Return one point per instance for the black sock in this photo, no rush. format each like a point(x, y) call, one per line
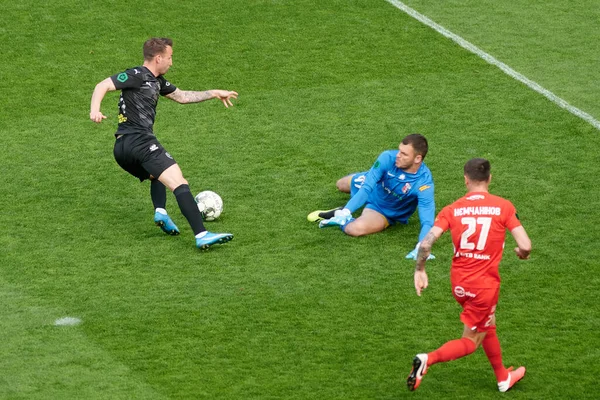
point(329, 214)
point(189, 208)
point(158, 192)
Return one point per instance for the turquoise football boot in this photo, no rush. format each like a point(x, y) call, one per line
point(166, 223)
point(208, 239)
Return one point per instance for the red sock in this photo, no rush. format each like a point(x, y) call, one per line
point(451, 351)
point(491, 346)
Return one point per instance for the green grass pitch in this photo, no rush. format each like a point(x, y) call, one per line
point(288, 311)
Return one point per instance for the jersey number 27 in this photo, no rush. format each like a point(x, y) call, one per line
point(471, 224)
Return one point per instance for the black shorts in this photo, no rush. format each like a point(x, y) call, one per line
point(142, 155)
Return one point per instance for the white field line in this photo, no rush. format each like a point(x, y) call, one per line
point(67, 321)
point(490, 59)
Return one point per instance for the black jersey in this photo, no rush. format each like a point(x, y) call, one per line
point(139, 96)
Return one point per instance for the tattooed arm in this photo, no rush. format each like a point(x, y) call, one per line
point(421, 280)
point(190, 96)
point(425, 247)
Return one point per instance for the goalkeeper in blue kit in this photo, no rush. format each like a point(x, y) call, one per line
point(396, 186)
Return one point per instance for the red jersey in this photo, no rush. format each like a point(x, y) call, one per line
point(478, 223)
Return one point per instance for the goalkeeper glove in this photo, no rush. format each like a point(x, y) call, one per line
point(412, 255)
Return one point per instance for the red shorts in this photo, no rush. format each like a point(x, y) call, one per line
point(479, 306)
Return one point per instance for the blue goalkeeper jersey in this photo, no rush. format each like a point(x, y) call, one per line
point(395, 193)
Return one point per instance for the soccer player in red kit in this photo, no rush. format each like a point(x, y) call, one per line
point(477, 222)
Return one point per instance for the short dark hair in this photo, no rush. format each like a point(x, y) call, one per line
point(478, 169)
point(154, 46)
point(418, 142)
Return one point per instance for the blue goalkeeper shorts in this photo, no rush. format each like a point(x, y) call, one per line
point(392, 216)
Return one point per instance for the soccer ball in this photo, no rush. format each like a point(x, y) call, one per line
point(210, 205)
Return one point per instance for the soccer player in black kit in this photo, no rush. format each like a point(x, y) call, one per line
point(138, 151)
